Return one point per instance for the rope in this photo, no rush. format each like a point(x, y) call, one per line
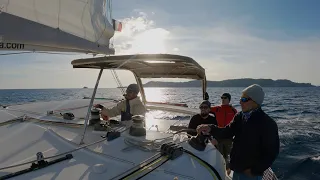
point(17, 119)
point(31, 119)
point(55, 123)
point(154, 145)
point(56, 112)
point(146, 146)
point(36, 113)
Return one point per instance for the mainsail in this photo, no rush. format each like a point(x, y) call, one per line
point(56, 25)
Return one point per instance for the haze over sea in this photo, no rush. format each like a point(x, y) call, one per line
point(296, 111)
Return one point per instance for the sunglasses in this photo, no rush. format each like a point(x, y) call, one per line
point(204, 107)
point(223, 97)
point(244, 99)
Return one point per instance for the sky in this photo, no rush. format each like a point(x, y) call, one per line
point(230, 39)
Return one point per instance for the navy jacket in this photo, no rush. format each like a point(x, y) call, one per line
point(255, 141)
point(196, 120)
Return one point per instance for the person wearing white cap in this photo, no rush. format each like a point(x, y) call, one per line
point(132, 105)
point(255, 136)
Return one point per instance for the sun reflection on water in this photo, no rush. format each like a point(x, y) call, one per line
point(156, 94)
point(163, 118)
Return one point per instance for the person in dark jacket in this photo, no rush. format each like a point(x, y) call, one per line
point(255, 136)
point(203, 118)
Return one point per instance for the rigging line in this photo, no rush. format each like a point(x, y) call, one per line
point(40, 52)
point(5, 54)
point(24, 111)
point(115, 78)
point(35, 12)
point(43, 52)
point(112, 72)
point(116, 75)
point(59, 14)
point(74, 108)
point(121, 87)
point(117, 81)
point(42, 114)
point(110, 2)
point(50, 157)
point(125, 62)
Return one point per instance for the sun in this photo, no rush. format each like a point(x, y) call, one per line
point(150, 41)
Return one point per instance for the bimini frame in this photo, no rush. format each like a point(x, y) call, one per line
point(144, 66)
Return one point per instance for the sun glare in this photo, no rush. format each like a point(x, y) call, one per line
point(150, 41)
point(154, 94)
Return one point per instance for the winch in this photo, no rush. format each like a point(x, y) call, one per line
point(67, 116)
point(95, 117)
point(199, 142)
point(137, 128)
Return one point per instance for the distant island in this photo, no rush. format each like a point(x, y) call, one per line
point(231, 83)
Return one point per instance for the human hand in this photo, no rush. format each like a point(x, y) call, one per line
point(228, 171)
point(203, 128)
point(104, 117)
point(98, 106)
point(214, 141)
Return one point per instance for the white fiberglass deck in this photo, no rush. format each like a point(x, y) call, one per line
point(20, 141)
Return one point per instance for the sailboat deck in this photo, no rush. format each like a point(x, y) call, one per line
point(102, 160)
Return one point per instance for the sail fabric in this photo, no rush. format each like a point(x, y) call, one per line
point(72, 25)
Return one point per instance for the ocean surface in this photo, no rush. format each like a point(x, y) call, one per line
point(296, 111)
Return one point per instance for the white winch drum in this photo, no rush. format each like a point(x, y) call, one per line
point(138, 121)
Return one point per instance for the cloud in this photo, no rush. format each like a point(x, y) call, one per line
point(140, 35)
point(175, 49)
point(226, 50)
point(234, 54)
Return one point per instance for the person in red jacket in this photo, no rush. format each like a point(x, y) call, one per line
point(224, 115)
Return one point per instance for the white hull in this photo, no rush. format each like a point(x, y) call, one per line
point(20, 141)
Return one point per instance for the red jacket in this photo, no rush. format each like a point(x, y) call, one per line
point(224, 114)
